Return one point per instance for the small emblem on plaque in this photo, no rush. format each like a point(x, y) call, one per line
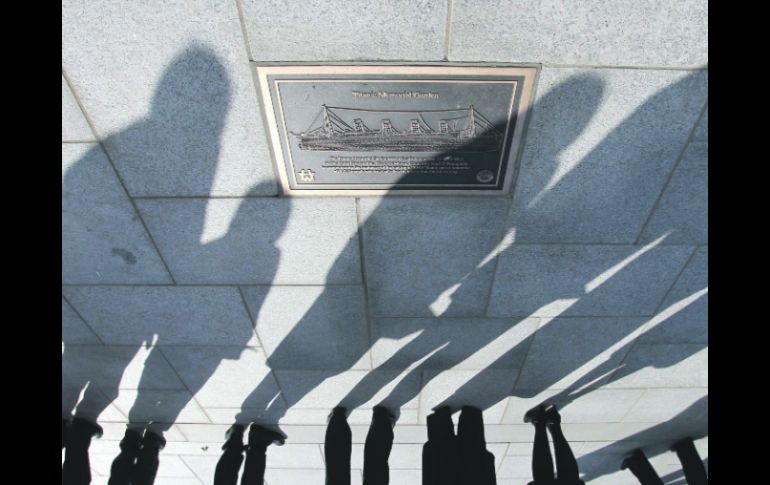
point(307, 175)
point(485, 176)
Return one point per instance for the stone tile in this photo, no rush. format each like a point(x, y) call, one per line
point(74, 126)
point(203, 466)
point(663, 365)
point(258, 241)
point(352, 389)
point(600, 145)
point(601, 431)
point(103, 240)
point(597, 406)
point(516, 467)
point(683, 208)
point(333, 30)
point(264, 415)
point(311, 327)
point(224, 377)
point(405, 477)
point(213, 434)
point(169, 89)
point(73, 329)
point(566, 349)
point(177, 315)
point(702, 130)
point(604, 33)
point(358, 416)
point(114, 431)
point(294, 476)
point(114, 367)
point(161, 406)
point(295, 456)
point(487, 389)
point(94, 405)
point(577, 280)
point(457, 343)
point(684, 314)
point(429, 257)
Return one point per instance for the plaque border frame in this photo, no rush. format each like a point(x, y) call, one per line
point(529, 72)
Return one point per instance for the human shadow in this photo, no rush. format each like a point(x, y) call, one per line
point(436, 347)
point(179, 139)
point(602, 284)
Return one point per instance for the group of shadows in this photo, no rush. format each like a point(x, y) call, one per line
point(447, 458)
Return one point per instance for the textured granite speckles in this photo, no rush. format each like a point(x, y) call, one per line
point(103, 240)
point(345, 30)
point(311, 327)
point(576, 280)
point(682, 210)
point(429, 257)
point(601, 144)
point(169, 89)
point(133, 315)
point(260, 241)
point(74, 126)
point(656, 33)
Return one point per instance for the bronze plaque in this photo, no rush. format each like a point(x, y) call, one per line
point(373, 129)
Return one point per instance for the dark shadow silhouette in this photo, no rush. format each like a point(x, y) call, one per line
point(457, 460)
point(229, 464)
point(543, 418)
point(183, 129)
point(434, 348)
point(338, 447)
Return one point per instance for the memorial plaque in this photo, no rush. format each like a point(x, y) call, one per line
point(370, 130)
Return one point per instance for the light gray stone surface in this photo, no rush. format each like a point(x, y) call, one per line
point(656, 33)
point(74, 126)
point(131, 315)
point(664, 365)
point(162, 406)
point(684, 312)
point(599, 147)
point(443, 343)
point(209, 372)
point(258, 241)
point(578, 280)
point(353, 389)
point(73, 329)
point(682, 210)
point(113, 367)
point(343, 30)
point(661, 405)
point(428, 257)
point(486, 390)
point(103, 240)
point(565, 349)
point(311, 327)
point(168, 88)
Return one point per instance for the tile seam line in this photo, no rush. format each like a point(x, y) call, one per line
point(192, 395)
point(244, 31)
point(253, 323)
point(670, 176)
point(632, 406)
point(503, 231)
point(448, 30)
point(88, 326)
point(362, 263)
point(643, 329)
point(100, 141)
point(181, 457)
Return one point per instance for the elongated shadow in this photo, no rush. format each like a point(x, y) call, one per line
point(180, 139)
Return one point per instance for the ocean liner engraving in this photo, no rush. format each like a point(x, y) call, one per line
point(457, 130)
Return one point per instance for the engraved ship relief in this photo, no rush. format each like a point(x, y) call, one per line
point(469, 132)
